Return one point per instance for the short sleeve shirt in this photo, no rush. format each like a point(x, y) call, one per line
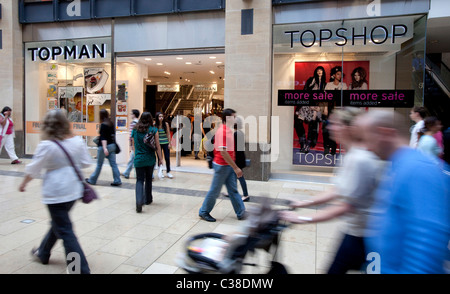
point(224, 138)
point(356, 182)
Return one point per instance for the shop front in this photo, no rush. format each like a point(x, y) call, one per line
point(74, 75)
point(112, 67)
point(321, 66)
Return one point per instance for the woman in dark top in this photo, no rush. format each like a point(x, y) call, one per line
point(239, 144)
point(106, 148)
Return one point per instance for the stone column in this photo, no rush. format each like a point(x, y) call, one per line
point(11, 69)
point(248, 67)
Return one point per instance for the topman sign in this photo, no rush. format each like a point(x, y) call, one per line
point(68, 52)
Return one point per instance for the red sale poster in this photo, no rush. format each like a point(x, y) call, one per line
point(312, 142)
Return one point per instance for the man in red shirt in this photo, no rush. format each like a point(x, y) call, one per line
point(225, 169)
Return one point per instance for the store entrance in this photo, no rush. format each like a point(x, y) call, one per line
point(182, 84)
point(176, 84)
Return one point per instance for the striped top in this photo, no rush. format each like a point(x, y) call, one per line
point(163, 137)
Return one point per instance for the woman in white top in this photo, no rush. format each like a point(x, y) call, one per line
point(7, 134)
point(427, 143)
point(335, 82)
point(352, 195)
point(61, 186)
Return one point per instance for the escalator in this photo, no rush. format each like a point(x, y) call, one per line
point(437, 90)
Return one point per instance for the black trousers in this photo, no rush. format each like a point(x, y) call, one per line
point(166, 151)
point(351, 255)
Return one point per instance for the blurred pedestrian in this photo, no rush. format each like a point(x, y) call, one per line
point(446, 143)
point(106, 148)
point(7, 134)
point(352, 194)
point(411, 225)
point(417, 114)
point(134, 119)
point(427, 142)
point(61, 186)
point(144, 159)
point(225, 169)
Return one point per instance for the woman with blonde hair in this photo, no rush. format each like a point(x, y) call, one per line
point(352, 194)
point(61, 186)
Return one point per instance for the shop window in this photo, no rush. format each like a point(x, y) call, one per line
point(74, 75)
point(319, 67)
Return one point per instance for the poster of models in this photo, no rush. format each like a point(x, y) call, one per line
point(313, 144)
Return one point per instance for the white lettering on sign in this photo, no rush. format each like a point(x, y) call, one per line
point(68, 52)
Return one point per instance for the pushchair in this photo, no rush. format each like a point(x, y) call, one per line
point(213, 253)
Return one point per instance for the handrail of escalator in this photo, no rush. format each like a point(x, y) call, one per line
point(441, 74)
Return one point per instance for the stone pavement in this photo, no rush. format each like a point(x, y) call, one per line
point(117, 240)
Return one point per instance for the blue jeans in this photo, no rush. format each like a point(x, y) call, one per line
point(112, 162)
point(130, 165)
point(144, 192)
point(223, 174)
point(61, 228)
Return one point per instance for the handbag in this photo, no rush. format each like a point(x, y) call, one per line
point(96, 140)
point(117, 147)
point(150, 140)
point(88, 192)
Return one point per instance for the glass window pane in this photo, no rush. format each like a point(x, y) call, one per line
point(73, 75)
point(319, 67)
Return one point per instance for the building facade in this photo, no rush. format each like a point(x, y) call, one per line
point(85, 55)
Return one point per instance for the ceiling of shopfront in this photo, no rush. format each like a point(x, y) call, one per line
point(183, 69)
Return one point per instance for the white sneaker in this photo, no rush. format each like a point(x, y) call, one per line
point(169, 175)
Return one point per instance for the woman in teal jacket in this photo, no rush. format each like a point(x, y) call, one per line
point(144, 159)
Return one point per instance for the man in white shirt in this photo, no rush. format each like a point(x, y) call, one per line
point(417, 115)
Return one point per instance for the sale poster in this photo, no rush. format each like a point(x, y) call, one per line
point(312, 144)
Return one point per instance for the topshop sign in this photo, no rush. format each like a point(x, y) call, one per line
point(373, 32)
point(378, 35)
